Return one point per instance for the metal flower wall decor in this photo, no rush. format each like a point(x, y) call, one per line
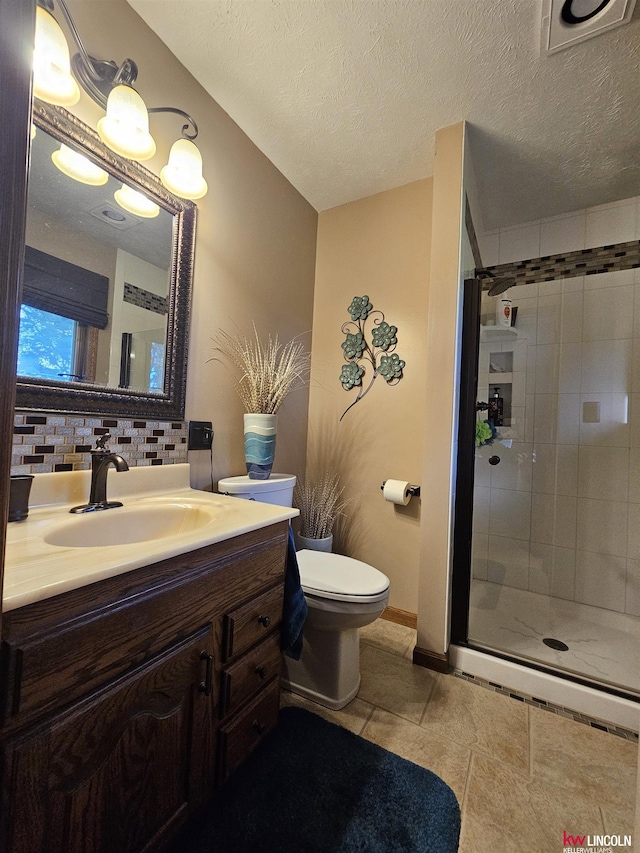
point(379, 352)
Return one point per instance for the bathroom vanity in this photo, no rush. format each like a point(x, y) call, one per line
point(125, 702)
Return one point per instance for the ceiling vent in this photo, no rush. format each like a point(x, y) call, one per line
point(114, 216)
point(566, 22)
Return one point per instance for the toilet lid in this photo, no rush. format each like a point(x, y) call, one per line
point(336, 575)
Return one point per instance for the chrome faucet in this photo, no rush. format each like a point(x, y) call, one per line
point(101, 459)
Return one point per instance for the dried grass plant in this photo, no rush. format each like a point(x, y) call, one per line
point(319, 497)
point(268, 371)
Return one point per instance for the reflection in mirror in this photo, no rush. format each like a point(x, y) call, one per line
point(93, 273)
point(107, 279)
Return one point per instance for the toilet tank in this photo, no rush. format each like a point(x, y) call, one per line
point(278, 489)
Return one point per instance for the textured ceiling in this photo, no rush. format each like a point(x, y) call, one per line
point(345, 96)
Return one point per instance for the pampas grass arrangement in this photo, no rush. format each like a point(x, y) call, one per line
point(319, 499)
point(268, 371)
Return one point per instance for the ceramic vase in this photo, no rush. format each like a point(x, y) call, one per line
point(304, 542)
point(259, 444)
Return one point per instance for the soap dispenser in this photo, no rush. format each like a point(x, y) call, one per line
point(496, 408)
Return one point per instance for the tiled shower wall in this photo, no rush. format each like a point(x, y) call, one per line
point(45, 442)
point(560, 514)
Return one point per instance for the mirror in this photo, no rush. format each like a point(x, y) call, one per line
point(106, 286)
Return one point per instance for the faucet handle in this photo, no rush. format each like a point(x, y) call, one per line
point(102, 442)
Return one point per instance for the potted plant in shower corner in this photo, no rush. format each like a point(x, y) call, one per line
point(319, 497)
point(268, 373)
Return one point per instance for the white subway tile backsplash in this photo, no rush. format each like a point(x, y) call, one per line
point(562, 235)
point(547, 369)
point(612, 427)
point(555, 469)
point(552, 570)
point(601, 580)
point(508, 561)
point(515, 468)
point(553, 520)
point(489, 245)
point(570, 368)
point(606, 366)
point(549, 318)
point(510, 514)
point(518, 243)
point(611, 225)
point(606, 314)
point(602, 526)
point(571, 309)
point(603, 473)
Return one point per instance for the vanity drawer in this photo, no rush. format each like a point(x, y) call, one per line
point(244, 732)
point(249, 674)
point(245, 625)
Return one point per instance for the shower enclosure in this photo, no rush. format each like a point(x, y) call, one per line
point(554, 536)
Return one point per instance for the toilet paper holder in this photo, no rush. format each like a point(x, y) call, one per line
point(414, 491)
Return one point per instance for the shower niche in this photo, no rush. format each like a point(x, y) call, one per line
point(499, 385)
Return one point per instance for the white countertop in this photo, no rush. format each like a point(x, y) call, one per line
point(35, 570)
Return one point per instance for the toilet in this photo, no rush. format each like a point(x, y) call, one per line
point(342, 595)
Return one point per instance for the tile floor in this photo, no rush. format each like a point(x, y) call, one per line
point(522, 775)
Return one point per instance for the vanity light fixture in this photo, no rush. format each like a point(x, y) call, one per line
point(125, 127)
point(77, 166)
point(136, 202)
point(183, 172)
point(52, 80)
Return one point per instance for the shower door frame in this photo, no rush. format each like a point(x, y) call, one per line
point(463, 509)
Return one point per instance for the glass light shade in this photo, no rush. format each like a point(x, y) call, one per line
point(125, 127)
point(52, 80)
point(183, 173)
point(136, 202)
point(79, 167)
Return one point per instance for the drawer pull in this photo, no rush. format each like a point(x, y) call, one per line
point(206, 685)
point(261, 671)
point(264, 620)
point(258, 727)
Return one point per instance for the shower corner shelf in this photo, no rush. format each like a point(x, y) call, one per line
point(497, 333)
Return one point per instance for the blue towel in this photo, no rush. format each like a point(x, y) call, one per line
point(295, 607)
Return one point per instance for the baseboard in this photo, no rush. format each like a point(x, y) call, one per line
point(431, 660)
point(400, 617)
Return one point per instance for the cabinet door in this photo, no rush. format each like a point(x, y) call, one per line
point(116, 770)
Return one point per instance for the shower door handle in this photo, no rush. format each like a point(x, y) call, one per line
point(494, 460)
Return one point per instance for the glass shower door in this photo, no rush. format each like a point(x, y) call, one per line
point(556, 507)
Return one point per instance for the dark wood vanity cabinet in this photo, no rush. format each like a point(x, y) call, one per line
point(125, 703)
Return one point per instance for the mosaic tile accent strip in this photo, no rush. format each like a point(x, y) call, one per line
point(471, 231)
point(45, 442)
point(595, 723)
point(618, 256)
point(145, 299)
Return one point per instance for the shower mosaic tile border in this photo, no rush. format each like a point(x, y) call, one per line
point(601, 259)
point(44, 442)
point(135, 295)
point(595, 723)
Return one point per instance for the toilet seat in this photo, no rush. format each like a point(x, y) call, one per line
point(340, 578)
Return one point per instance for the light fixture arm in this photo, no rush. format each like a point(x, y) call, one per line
point(99, 76)
point(185, 127)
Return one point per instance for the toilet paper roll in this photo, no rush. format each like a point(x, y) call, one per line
point(397, 492)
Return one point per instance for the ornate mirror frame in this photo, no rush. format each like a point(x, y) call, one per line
point(84, 397)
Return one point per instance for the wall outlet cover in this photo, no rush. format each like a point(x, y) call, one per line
point(200, 435)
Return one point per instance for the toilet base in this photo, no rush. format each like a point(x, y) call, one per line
point(328, 671)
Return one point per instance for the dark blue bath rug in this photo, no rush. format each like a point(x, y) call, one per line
point(314, 787)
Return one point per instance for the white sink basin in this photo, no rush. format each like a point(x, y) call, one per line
point(126, 525)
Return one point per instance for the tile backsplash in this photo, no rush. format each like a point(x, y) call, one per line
point(44, 442)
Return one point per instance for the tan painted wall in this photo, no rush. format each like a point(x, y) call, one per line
point(440, 393)
point(377, 246)
point(255, 248)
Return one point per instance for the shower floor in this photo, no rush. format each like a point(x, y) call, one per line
point(603, 645)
